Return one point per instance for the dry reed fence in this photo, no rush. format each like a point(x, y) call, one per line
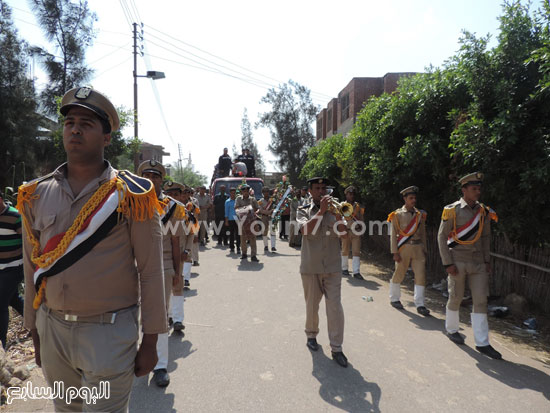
point(508, 277)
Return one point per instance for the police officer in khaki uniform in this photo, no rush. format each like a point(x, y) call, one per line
point(408, 246)
point(191, 229)
point(267, 206)
point(356, 228)
point(464, 244)
point(205, 204)
point(321, 226)
point(172, 231)
point(89, 230)
point(244, 200)
point(175, 190)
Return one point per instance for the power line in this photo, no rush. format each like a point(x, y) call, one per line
point(110, 53)
point(113, 67)
point(228, 61)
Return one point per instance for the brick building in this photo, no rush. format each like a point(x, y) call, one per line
point(148, 151)
point(341, 113)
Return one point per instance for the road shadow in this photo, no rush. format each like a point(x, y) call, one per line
point(344, 388)
point(144, 390)
point(190, 293)
point(368, 284)
point(427, 323)
point(246, 265)
point(194, 274)
point(515, 375)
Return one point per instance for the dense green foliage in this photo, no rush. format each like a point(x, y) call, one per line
point(19, 122)
point(484, 110)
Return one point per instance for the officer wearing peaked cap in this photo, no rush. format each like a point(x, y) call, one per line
point(82, 293)
point(320, 267)
point(355, 231)
point(408, 246)
point(173, 213)
point(464, 244)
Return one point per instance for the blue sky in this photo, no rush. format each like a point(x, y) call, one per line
point(320, 44)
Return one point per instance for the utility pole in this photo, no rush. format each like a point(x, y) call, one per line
point(179, 160)
point(136, 160)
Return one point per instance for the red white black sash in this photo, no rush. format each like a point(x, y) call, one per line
point(466, 231)
point(411, 229)
point(169, 209)
point(95, 228)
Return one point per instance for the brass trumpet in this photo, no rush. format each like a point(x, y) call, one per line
point(343, 208)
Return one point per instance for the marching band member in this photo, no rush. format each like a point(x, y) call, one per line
point(408, 246)
point(464, 244)
point(245, 200)
point(320, 267)
point(173, 213)
point(266, 209)
point(353, 239)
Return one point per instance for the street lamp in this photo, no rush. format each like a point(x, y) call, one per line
point(151, 74)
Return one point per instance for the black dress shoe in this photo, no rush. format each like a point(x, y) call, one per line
point(345, 272)
point(266, 248)
point(358, 276)
point(243, 257)
point(161, 377)
point(254, 258)
point(178, 326)
point(170, 321)
point(489, 351)
point(195, 263)
point(423, 311)
point(273, 249)
point(312, 344)
point(456, 338)
point(339, 358)
point(396, 304)
point(231, 250)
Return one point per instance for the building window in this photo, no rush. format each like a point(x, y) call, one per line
point(329, 120)
point(344, 104)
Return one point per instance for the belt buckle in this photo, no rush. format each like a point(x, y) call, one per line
point(71, 317)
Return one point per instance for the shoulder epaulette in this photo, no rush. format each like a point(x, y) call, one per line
point(490, 211)
point(449, 211)
point(25, 192)
point(138, 198)
point(424, 214)
point(392, 214)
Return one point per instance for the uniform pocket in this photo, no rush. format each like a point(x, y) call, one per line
point(43, 222)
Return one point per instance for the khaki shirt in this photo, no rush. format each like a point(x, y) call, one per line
point(204, 202)
point(404, 218)
point(106, 279)
point(172, 228)
point(241, 202)
point(320, 252)
point(266, 213)
point(477, 252)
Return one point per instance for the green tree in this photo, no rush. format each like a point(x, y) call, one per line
point(290, 123)
point(247, 141)
point(19, 122)
point(68, 25)
point(187, 176)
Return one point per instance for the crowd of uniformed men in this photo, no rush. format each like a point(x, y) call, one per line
point(99, 242)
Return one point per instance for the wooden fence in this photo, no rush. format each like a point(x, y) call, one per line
point(516, 268)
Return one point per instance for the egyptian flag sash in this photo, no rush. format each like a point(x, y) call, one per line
point(411, 229)
point(95, 228)
point(466, 231)
point(169, 211)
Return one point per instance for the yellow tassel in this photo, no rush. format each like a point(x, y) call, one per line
point(390, 216)
point(493, 216)
point(39, 297)
point(179, 213)
point(139, 207)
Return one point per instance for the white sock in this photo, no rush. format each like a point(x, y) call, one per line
point(395, 292)
point(480, 326)
point(344, 263)
point(187, 270)
point(265, 240)
point(419, 295)
point(451, 321)
point(177, 308)
point(273, 238)
point(356, 265)
point(162, 351)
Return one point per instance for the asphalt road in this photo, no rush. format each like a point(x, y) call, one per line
point(244, 351)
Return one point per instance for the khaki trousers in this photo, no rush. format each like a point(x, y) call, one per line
point(252, 239)
point(329, 285)
point(168, 286)
point(411, 256)
point(353, 241)
point(84, 354)
point(478, 281)
point(195, 249)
